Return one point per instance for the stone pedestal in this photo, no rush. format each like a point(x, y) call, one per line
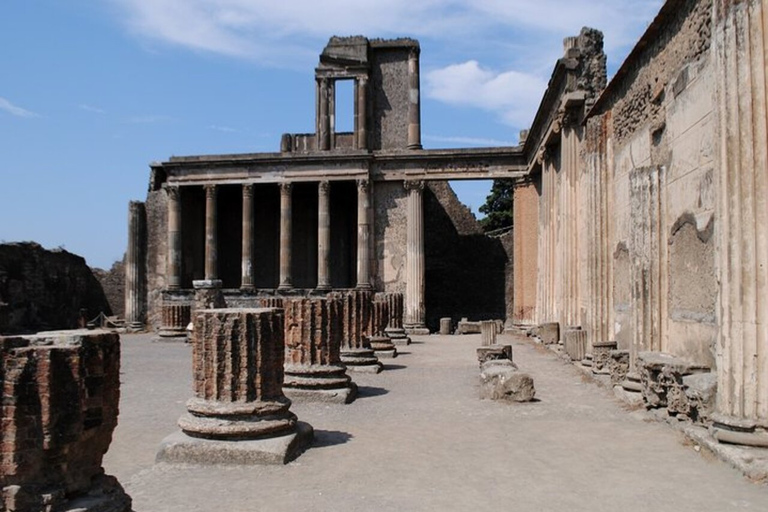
point(208, 294)
point(618, 366)
point(395, 329)
point(494, 353)
point(313, 368)
point(60, 395)
point(175, 319)
point(488, 333)
point(548, 333)
point(575, 343)
point(446, 326)
point(356, 352)
point(239, 413)
point(601, 357)
point(383, 347)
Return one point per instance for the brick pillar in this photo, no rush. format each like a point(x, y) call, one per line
point(395, 329)
point(313, 368)
point(237, 367)
point(60, 397)
point(380, 316)
point(355, 317)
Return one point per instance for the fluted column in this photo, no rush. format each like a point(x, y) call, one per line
point(324, 117)
point(363, 235)
point(286, 234)
point(741, 44)
point(134, 266)
point(211, 233)
point(246, 280)
point(361, 97)
point(414, 101)
point(323, 237)
point(173, 272)
point(414, 269)
point(570, 157)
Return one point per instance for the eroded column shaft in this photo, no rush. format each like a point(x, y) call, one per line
point(246, 280)
point(286, 235)
point(211, 233)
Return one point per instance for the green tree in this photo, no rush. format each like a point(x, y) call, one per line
point(498, 206)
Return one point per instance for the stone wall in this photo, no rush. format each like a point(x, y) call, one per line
point(113, 283)
point(46, 290)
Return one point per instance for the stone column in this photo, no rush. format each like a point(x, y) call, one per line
point(525, 211)
point(361, 114)
point(246, 280)
point(135, 266)
point(487, 333)
point(173, 272)
point(60, 398)
point(395, 329)
point(414, 268)
point(239, 413)
point(356, 352)
point(414, 101)
point(324, 117)
point(363, 235)
point(313, 368)
point(740, 43)
point(286, 235)
point(211, 233)
point(323, 237)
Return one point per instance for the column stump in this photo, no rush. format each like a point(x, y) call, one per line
point(313, 368)
point(356, 352)
point(394, 329)
point(383, 347)
point(239, 414)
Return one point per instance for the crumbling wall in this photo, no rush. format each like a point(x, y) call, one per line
point(113, 283)
point(466, 271)
point(46, 290)
point(390, 203)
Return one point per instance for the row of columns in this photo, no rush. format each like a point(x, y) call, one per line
point(415, 313)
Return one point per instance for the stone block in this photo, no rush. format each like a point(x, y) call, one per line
point(548, 333)
point(661, 377)
point(488, 331)
point(501, 382)
point(383, 347)
point(618, 366)
point(446, 326)
point(701, 391)
point(467, 327)
point(601, 357)
point(575, 343)
point(61, 392)
point(494, 352)
point(356, 352)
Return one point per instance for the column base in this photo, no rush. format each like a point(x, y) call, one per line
point(398, 336)
point(104, 495)
point(318, 383)
point(182, 448)
point(416, 330)
point(136, 327)
point(171, 334)
point(383, 347)
point(730, 430)
point(361, 360)
point(248, 288)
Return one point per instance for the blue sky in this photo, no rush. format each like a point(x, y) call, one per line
point(91, 91)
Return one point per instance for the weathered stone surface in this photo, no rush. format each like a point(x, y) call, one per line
point(601, 357)
point(59, 408)
point(395, 329)
point(467, 327)
point(548, 333)
point(446, 326)
point(618, 366)
point(113, 283)
point(383, 347)
point(237, 362)
point(494, 352)
point(488, 331)
point(176, 316)
point(701, 394)
point(208, 294)
point(356, 352)
point(313, 368)
point(500, 382)
point(661, 376)
point(575, 343)
point(46, 290)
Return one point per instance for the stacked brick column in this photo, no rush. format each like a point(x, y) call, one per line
point(237, 366)
point(313, 368)
point(380, 314)
point(356, 352)
point(58, 411)
point(395, 329)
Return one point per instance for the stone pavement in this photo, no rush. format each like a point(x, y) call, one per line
point(418, 438)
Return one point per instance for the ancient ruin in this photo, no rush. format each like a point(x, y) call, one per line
point(239, 414)
point(60, 394)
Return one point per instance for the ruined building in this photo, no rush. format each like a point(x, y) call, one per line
point(640, 209)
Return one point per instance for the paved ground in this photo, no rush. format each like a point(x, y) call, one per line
point(419, 439)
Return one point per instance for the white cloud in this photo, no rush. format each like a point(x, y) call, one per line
point(15, 110)
point(514, 95)
point(225, 129)
point(91, 108)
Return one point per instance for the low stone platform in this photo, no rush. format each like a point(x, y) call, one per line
point(319, 383)
point(182, 448)
point(383, 347)
point(361, 360)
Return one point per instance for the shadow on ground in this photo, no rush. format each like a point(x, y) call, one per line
point(389, 367)
point(370, 391)
point(325, 438)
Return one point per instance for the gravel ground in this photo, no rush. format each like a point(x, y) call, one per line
point(418, 438)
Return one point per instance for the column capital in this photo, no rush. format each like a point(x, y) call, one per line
point(363, 185)
point(173, 191)
point(286, 187)
point(324, 186)
point(414, 185)
point(210, 190)
point(247, 189)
